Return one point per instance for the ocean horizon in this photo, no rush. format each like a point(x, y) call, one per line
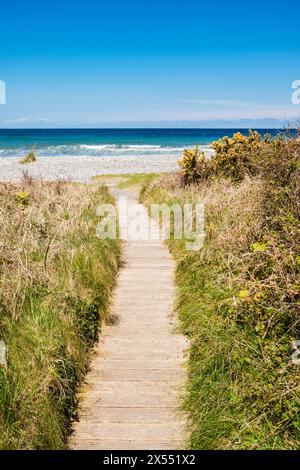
point(111, 142)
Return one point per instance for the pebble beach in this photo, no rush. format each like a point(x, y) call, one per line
point(82, 169)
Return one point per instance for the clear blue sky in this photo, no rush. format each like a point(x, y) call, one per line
point(81, 63)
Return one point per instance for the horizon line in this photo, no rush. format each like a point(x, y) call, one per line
point(145, 128)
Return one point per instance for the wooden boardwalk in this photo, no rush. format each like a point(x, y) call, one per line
point(131, 400)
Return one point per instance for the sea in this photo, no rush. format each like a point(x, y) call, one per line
point(109, 142)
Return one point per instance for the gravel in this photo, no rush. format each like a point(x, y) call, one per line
point(81, 169)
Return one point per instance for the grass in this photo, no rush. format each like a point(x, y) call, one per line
point(140, 179)
point(55, 282)
point(126, 180)
point(238, 301)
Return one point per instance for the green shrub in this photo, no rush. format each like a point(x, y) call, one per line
point(193, 165)
point(23, 199)
point(30, 157)
point(236, 157)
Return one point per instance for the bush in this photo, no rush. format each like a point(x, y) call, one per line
point(193, 165)
point(236, 157)
point(30, 157)
point(23, 199)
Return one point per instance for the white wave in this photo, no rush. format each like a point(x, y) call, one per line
point(92, 147)
point(117, 146)
point(136, 147)
point(105, 150)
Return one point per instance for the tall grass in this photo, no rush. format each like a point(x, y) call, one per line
point(55, 282)
point(238, 298)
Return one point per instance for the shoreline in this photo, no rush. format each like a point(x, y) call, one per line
point(82, 169)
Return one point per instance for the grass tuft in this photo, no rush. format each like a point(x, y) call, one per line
point(30, 158)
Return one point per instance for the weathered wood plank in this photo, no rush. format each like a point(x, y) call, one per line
point(132, 396)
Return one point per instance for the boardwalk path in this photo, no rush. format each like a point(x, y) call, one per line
point(132, 395)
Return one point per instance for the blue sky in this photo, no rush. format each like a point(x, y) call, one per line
point(138, 63)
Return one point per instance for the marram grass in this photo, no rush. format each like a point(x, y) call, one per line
point(55, 281)
point(238, 297)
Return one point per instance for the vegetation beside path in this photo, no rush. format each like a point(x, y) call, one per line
point(55, 282)
point(238, 297)
point(127, 180)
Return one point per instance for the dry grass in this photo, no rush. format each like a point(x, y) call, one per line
point(238, 299)
point(55, 282)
